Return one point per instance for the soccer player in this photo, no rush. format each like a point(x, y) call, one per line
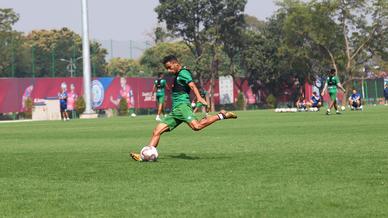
point(315, 101)
point(63, 102)
point(159, 86)
point(181, 109)
point(332, 82)
point(355, 100)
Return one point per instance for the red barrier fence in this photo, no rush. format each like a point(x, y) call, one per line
point(106, 91)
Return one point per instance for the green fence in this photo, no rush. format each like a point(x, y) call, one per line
point(371, 90)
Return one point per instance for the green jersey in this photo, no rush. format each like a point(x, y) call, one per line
point(181, 89)
point(160, 85)
point(332, 82)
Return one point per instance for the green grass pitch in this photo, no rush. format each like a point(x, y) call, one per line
point(264, 164)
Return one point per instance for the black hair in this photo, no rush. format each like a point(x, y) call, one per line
point(169, 58)
point(332, 70)
point(160, 74)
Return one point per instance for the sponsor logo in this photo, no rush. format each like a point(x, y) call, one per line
point(97, 93)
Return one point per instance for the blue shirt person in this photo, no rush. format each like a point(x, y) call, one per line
point(355, 100)
point(315, 101)
point(63, 102)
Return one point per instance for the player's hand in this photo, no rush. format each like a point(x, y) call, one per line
point(323, 93)
point(203, 101)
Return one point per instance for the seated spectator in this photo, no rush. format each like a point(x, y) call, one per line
point(301, 103)
point(315, 101)
point(355, 100)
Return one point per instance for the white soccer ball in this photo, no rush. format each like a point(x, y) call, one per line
point(133, 115)
point(149, 153)
point(343, 108)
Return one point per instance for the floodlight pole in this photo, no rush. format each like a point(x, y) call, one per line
point(86, 59)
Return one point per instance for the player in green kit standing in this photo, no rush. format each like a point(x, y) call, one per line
point(181, 109)
point(159, 87)
point(332, 82)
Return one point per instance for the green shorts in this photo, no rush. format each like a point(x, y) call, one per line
point(181, 113)
point(333, 96)
point(160, 99)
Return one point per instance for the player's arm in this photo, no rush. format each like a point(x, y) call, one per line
point(153, 90)
point(341, 87)
point(324, 89)
point(196, 93)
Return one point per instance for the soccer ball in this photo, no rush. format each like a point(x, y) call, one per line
point(343, 108)
point(133, 115)
point(149, 153)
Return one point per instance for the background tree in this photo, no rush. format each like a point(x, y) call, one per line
point(8, 18)
point(12, 51)
point(203, 24)
point(49, 49)
point(125, 67)
point(347, 32)
point(185, 19)
point(152, 57)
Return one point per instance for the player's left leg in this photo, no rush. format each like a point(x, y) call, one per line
point(157, 132)
point(167, 124)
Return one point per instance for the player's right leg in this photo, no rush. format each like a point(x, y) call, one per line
point(198, 125)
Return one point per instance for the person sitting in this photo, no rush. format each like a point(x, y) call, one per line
point(301, 104)
point(355, 100)
point(315, 101)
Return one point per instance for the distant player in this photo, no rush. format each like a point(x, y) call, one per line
point(355, 100)
point(63, 102)
point(181, 110)
point(315, 101)
point(159, 88)
point(332, 82)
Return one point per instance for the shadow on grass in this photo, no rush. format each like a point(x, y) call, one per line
point(184, 157)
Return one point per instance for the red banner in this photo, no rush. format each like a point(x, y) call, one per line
point(106, 92)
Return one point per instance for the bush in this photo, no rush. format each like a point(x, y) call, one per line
point(80, 105)
point(240, 103)
point(271, 101)
point(28, 108)
point(123, 108)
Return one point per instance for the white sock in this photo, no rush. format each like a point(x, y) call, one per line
point(220, 116)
